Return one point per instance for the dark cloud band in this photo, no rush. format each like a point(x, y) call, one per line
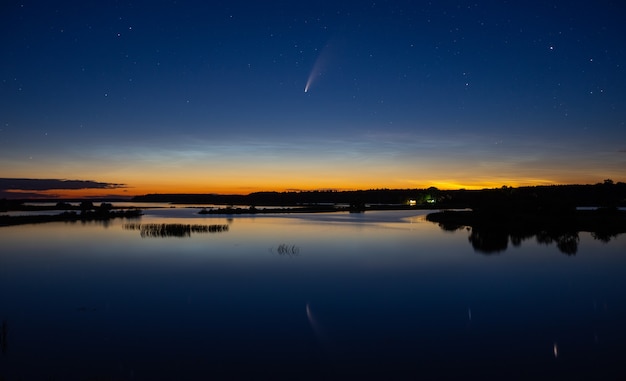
point(10, 184)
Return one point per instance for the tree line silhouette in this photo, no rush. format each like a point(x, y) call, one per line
point(551, 197)
point(550, 214)
point(546, 198)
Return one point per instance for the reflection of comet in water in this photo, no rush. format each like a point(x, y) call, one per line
point(319, 332)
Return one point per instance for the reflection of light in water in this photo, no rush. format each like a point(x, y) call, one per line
point(555, 350)
point(469, 313)
point(312, 321)
point(319, 332)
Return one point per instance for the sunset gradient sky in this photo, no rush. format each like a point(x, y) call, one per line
point(191, 97)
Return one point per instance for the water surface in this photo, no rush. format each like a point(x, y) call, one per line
point(381, 295)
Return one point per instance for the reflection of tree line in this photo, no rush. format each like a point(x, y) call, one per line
point(491, 232)
point(174, 230)
point(490, 240)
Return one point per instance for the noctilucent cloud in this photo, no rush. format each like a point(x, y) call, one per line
point(242, 96)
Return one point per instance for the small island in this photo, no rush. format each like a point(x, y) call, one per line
point(86, 211)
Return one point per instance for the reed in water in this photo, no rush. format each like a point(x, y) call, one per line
point(174, 230)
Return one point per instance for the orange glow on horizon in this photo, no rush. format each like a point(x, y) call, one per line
point(452, 185)
point(197, 188)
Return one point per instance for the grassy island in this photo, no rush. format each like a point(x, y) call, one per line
point(98, 214)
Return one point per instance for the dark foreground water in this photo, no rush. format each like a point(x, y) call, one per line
point(380, 295)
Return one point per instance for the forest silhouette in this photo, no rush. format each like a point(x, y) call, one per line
point(553, 215)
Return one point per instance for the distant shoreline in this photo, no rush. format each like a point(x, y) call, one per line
point(521, 208)
point(85, 210)
point(66, 216)
point(136, 211)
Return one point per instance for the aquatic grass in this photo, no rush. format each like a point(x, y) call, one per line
point(174, 230)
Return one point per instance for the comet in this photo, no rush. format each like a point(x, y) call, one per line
point(317, 69)
point(315, 72)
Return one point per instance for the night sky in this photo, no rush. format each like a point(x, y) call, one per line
point(241, 96)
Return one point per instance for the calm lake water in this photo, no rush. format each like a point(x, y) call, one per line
point(379, 295)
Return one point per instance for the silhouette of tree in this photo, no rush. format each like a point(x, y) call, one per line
point(450, 227)
point(488, 241)
point(544, 238)
point(63, 205)
point(86, 206)
point(603, 236)
point(568, 243)
point(106, 206)
point(518, 237)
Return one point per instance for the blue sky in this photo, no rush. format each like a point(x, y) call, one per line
point(188, 96)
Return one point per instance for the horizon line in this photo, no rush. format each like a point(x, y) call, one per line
point(14, 195)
